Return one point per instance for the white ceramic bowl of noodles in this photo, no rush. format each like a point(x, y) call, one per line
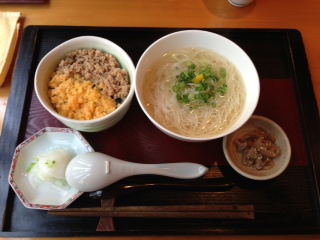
point(208, 41)
point(50, 61)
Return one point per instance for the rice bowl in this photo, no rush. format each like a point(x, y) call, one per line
point(49, 63)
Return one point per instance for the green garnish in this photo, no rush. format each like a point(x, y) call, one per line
point(50, 163)
point(30, 167)
point(199, 87)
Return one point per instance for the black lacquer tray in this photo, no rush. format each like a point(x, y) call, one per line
point(288, 204)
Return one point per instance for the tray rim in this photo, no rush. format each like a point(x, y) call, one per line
point(13, 122)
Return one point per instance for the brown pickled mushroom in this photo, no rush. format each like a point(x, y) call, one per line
point(258, 149)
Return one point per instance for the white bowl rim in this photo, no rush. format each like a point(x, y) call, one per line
point(187, 138)
point(274, 174)
point(97, 120)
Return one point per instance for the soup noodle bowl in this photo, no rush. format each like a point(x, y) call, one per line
point(161, 102)
point(231, 111)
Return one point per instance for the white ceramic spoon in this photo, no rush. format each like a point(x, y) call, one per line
point(93, 171)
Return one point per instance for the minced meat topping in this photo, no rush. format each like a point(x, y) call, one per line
point(100, 68)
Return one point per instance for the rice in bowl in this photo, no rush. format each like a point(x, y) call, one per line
point(88, 84)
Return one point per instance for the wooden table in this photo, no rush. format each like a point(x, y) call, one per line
point(301, 15)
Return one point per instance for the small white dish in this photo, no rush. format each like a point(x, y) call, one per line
point(44, 196)
point(240, 3)
point(280, 163)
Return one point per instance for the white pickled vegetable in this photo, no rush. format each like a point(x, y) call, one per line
point(50, 166)
point(53, 164)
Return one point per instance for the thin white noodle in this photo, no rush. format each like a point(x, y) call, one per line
point(204, 121)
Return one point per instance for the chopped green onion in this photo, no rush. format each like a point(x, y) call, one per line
point(30, 167)
point(50, 163)
point(199, 87)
